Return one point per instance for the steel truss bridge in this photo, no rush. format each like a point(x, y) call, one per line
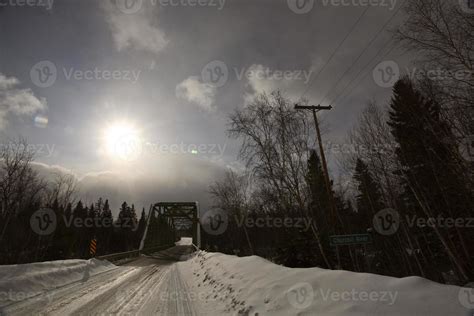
point(168, 221)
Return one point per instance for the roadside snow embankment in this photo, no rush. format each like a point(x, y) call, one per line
point(22, 281)
point(226, 284)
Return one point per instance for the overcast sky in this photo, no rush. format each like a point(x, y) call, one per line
point(172, 71)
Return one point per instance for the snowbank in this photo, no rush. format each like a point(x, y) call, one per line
point(252, 285)
point(184, 241)
point(22, 281)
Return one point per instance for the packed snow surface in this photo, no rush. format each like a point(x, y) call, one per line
point(255, 286)
point(217, 284)
point(22, 281)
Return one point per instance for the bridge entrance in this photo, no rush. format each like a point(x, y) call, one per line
point(168, 221)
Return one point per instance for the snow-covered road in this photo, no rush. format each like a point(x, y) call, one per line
point(147, 286)
point(179, 281)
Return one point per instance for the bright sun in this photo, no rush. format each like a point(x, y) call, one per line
point(122, 141)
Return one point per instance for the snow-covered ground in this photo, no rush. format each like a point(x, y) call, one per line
point(216, 284)
point(226, 284)
point(18, 282)
point(185, 241)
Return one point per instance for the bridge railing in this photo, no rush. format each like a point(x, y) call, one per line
point(114, 257)
point(120, 255)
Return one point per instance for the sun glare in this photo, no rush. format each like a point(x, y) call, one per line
point(122, 141)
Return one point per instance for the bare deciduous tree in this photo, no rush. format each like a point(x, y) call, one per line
point(232, 194)
point(19, 183)
point(442, 36)
point(63, 189)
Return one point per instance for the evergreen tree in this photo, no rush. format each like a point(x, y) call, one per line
point(82, 242)
point(141, 225)
point(369, 200)
point(319, 201)
point(319, 206)
point(106, 232)
point(432, 186)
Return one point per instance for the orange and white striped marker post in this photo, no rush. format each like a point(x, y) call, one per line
point(93, 247)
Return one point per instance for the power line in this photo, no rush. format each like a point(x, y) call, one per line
point(362, 70)
point(360, 81)
point(363, 51)
point(353, 27)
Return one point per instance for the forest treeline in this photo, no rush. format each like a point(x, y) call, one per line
point(41, 221)
point(411, 171)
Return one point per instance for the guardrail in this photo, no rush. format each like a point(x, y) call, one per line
point(132, 254)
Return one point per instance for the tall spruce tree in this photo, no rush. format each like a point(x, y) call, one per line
point(369, 199)
point(319, 206)
point(432, 187)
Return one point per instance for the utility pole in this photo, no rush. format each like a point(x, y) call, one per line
point(315, 109)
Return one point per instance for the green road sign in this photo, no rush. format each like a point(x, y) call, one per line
point(341, 240)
